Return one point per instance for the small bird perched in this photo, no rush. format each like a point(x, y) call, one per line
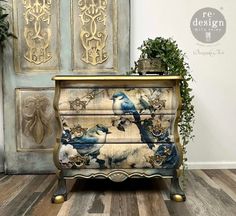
point(145, 105)
point(123, 105)
point(91, 141)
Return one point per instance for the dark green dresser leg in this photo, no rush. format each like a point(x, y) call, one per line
point(176, 193)
point(60, 194)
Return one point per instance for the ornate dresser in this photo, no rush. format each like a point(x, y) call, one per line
point(117, 127)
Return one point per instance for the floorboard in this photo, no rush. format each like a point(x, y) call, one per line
point(208, 192)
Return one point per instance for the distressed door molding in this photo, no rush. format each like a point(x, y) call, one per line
point(100, 36)
point(36, 23)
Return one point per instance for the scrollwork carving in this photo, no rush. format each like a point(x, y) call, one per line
point(93, 32)
point(36, 119)
point(118, 176)
point(37, 33)
point(80, 104)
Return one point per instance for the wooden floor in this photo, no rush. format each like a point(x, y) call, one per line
point(209, 192)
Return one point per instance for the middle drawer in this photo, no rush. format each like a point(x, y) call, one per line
point(86, 129)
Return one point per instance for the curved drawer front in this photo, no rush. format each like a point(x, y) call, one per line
point(109, 141)
point(125, 156)
point(117, 100)
point(90, 129)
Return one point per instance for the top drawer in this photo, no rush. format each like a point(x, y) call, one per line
point(145, 100)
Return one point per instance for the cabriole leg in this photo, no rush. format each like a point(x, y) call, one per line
point(176, 192)
point(60, 194)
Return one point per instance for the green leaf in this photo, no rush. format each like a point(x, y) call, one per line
point(3, 16)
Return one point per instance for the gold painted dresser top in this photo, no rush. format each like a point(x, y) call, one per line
point(114, 78)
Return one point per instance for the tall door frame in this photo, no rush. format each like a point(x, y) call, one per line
point(1, 116)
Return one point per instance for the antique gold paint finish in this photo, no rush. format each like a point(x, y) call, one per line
point(117, 175)
point(59, 199)
point(176, 137)
point(96, 44)
point(115, 78)
point(178, 198)
point(60, 127)
point(37, 32)
point(179, 172)
point(93, 33)
point(36, 24)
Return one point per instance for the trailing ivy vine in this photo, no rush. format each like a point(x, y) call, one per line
point(4, 25)
point(168, 51)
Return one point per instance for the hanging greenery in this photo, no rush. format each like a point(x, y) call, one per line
point(168, 51)
point(4, 25)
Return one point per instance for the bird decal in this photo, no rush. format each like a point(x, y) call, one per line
point(123, 105)
point(137, 119)
point(146, 105)
point(90, 142)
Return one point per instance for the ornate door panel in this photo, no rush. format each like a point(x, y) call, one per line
point(54, 37)
point(100, 36)
point(95, 46)
point(37, 25)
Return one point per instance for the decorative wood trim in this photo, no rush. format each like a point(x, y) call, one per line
point(115, 78)
point(57, 145)
point(118, 175)
point(27, 36)
point(114, 21)
point(211, 165)
point(176, 133)
point(33, 120)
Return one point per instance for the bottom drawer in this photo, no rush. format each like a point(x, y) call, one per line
point(118, 156)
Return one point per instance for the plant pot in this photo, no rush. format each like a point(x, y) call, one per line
point(155, 65)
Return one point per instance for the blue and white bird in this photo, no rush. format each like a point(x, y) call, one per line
point(91, 141)
point(123, 105)
point(146, 105)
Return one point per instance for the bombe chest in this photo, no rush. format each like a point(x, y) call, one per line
point(132, 138)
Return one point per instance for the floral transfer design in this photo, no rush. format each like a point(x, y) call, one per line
point(108, 141)
point(79, 104)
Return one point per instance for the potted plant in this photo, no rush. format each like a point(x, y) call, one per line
point(151, 59)
point(169, 54)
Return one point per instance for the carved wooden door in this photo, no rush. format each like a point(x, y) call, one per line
point(54, 37)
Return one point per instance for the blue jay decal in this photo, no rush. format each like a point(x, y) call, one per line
point(90, 142)
point(123, 105)
point(141, 119)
